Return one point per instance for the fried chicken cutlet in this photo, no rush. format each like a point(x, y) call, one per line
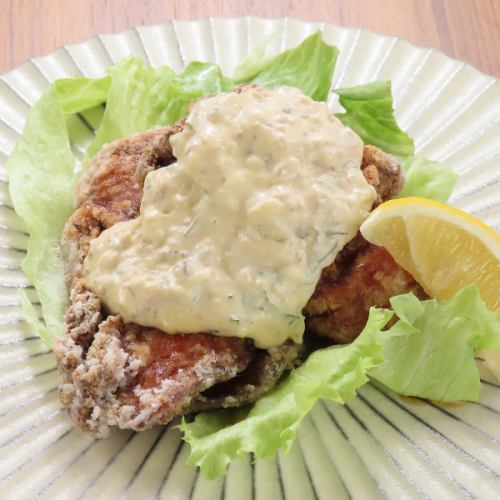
point(130, 376)
point(125, 375)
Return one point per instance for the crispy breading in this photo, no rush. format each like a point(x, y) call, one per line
point(110, 190)
point(383, 172)
point(261, 375)
point(125, 375)
point(339, 306)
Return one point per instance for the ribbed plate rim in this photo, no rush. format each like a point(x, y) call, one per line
point(397, 38)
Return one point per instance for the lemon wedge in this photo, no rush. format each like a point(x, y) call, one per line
point(442, 247)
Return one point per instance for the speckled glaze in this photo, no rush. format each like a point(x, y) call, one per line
point(379, 445)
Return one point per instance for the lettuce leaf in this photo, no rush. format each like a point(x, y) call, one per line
point(258, 58)
point(427, 179)
point(41, 178)
point(78, 94)
point(203, 78)
point(308, 67)
point(369, 112)
point(140, 97)
point(430, 350)
point(273, 421)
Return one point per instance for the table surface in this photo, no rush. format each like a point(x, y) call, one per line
point(464, 29)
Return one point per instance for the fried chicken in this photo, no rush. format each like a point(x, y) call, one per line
point(126, 375)
point(129, 376)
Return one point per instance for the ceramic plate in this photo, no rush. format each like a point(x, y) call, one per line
point(379, 445)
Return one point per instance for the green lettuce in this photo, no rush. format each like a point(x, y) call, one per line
point(258, 58)
point(430, 350)
point(308, 67)
point(369, 112)
point(427, 179)
point(78, 94)
point(41, 180)
point(272, 423)
point(203, 78)
point(140, 97)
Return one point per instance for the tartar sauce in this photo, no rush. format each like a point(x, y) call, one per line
point(231, 239)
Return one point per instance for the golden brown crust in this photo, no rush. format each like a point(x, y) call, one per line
point(383, 172)
point(340, 304)
point(133, 378)
point(110, 190)
point(261, 375)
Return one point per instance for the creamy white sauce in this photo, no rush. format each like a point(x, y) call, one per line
point(232, 238)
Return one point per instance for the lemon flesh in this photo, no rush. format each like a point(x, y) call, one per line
point(442, 247)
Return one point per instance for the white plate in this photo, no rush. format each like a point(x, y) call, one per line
point(379, 444)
